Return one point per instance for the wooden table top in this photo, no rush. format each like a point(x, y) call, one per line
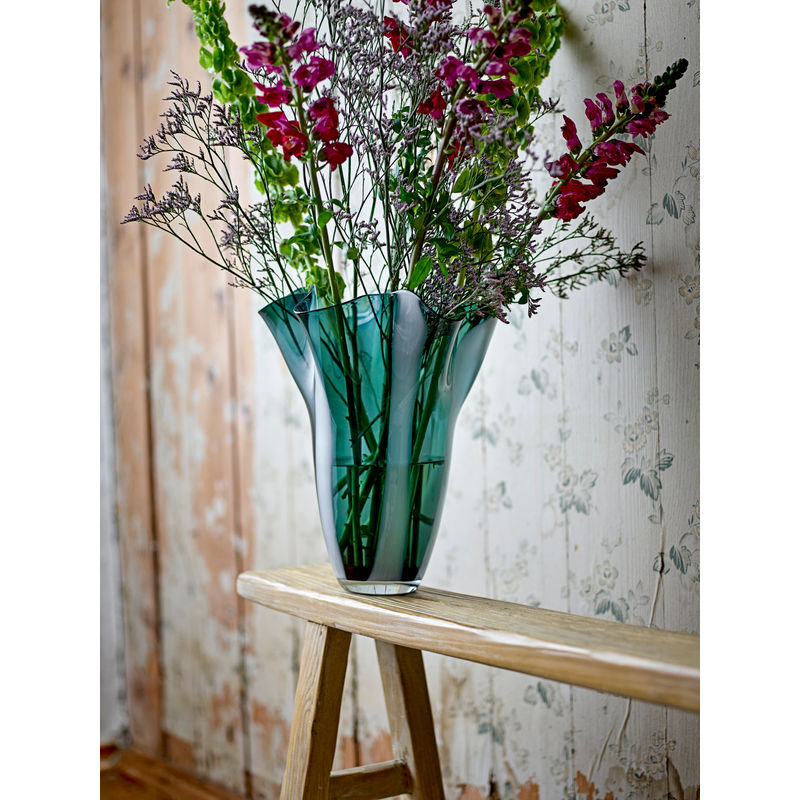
point(632, 661)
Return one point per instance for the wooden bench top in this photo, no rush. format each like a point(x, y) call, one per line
point(632, 661)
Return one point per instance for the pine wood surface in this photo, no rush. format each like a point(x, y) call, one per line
point(136, 776)
point(410, 718)
point(316, 713)
point(385, 779)
point(632, 661)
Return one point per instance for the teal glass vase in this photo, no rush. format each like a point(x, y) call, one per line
point(383, 378)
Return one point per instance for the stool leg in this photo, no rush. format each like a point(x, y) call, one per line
point(315, 722)
point(410, 717)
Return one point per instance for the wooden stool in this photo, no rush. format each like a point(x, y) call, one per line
point(644, 663)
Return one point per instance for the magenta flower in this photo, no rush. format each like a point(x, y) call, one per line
point(499, 68)
point(615, 151)
point(326, 120)
point(450, 70)
point(283, 133)
point(472, 108)
point(434, 106)
point(261, 55)
point(288, 27)
point(571, 195)
point(484, 37)
point(500, 88)
point(453, 69)
point(636, 99)
point(621, 97)
point(318, 69)
point(570, 134)
point(336, 153)
point(306, 43)
point(273, 95)
point(398, 36)
point(600, 174)
point(493, 14)
point(594, 114)
point(294, 143)
point(519, 43)
point(608, 108)
point(272, 120)
point(562, 166)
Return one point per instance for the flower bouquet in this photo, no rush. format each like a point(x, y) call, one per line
point(402, 206)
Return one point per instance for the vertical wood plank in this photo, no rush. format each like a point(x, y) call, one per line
point(122, 132)
point(191, 383)
point(315, 722)
point(410, 718)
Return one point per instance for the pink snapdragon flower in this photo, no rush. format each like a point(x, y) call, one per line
point(434, 105)
point(284, 133)
point(500, 68)
point(620, 96)
point(608, 108)
point(326, 119)
point(594, 114)
point(261, 55)
point(599, 162)
point(519, 43)
point(500, 88)
point(493, 14)
point(306, 43)
point(483, 37)
point(572, 194)
point(450, 71)
point(336, 153)
point(646, 126)
point(273, 95)
point(570, 134)
point(398, 35)
point(562, 166)
point(309, 75)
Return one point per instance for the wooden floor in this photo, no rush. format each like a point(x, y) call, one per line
point(128, 775)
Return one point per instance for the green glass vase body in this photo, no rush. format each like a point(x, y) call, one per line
point(383, 378)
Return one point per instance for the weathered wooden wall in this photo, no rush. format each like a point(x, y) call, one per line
point(214, 472)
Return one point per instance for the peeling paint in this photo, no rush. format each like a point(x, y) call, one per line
point(528, 791)
point(380, 748)
point(471, 793)
point(270, 728)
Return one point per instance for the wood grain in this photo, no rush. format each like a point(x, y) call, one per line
point(122, 132)
point(657, 666)
point(410, 718)
point(192, 391)
point(137, 776)
point(315, 723)
point(386, 779)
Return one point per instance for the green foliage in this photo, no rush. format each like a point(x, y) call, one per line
point(546, 28)
point(290, 206)
point(219, 55)
point(420, 271)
